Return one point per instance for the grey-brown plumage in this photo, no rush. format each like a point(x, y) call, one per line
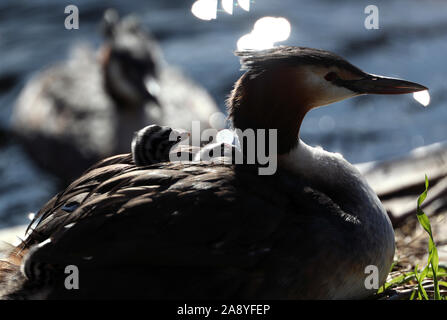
point(187, 231)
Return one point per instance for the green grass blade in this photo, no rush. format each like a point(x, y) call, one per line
point(433, 259)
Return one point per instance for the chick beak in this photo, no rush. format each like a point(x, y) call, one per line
point(180, 135)
point(373, 84)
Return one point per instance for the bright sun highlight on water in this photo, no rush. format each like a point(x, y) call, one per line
point(423, 97)
point(265, 33)
point(245, 4)
point(205, 9)
point(227, 5)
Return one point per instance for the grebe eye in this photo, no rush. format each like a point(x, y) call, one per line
point(331, 76)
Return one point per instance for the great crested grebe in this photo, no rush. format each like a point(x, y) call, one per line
point(204, 230)
point(87, 108)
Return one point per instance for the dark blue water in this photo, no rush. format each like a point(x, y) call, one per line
point(411, 43)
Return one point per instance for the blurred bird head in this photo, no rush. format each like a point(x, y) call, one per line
point(131, 59)
point(282, 84)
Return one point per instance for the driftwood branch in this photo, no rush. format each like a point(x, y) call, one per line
point(399, 182)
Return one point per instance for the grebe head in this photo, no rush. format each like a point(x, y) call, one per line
point(130, 60)
point(282, 84)
point(153, 143)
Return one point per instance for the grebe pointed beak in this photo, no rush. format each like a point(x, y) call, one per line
point(373, 84)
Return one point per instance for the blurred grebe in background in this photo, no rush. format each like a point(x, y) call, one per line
point(208, 231)
point(80, 111)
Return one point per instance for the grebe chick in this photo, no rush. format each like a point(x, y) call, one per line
point(154, 143)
